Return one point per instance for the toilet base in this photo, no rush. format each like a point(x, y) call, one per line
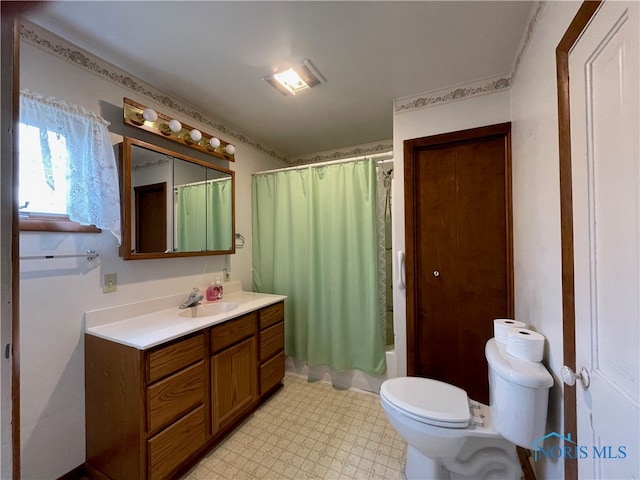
point(421, 467)
point(479, 459)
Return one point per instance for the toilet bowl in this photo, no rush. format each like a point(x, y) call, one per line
point(444, 426)
point(450, 436)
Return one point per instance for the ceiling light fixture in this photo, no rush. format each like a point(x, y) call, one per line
point(295, 79)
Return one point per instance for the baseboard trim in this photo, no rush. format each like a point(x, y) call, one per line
point(78, 473)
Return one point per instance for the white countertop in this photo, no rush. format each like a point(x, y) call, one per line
point(143, 325)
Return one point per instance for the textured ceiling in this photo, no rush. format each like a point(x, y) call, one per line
point(214, 54)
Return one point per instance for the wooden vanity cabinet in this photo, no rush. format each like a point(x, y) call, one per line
point(271, 347)
point(143, 404)
point(234, 378)
point(175, 412)
point(152, 414)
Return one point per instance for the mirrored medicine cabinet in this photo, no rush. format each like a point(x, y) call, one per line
point(174, 205)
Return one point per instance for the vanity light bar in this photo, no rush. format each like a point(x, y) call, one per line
point(145, 118)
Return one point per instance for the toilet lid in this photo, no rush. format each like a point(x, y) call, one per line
point(428, 401)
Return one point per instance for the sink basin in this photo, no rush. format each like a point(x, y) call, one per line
point(208, 310)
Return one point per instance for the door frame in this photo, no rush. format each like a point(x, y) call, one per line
point(10, 242)
point(144, 190)
point(411, 153)
point(577, 26)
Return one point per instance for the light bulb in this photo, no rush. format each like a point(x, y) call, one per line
point(214, 142)
point(175, 126)
point(195, 135)
point(149, 114)
point(230, 149)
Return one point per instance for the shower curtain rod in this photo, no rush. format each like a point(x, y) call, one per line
point(388, 154)
point(202, 182)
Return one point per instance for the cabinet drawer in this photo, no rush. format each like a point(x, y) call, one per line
point(172, 446)
point(271, 314)
point(271, 341)
point(271, 373)
point(171, 397)
point(166, 360)
point(232, 331)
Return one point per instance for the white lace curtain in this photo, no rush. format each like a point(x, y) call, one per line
point(93, 196)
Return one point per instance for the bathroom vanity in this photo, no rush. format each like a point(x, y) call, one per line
point(164, 387)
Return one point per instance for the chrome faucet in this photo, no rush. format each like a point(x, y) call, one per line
point(194, 298)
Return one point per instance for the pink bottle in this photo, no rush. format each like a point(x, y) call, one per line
point(214, 291)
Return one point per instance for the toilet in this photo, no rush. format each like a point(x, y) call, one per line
point(450, 436)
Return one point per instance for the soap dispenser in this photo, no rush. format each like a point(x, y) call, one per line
point(218, 288)
point(212, 293)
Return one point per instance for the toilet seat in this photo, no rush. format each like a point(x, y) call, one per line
point(428, 401)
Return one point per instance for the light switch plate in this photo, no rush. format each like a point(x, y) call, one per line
point(110, 283)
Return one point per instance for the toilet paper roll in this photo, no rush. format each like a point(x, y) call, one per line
point(501, 328)
point(525, 344)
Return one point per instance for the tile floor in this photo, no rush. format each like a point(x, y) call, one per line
point(309, 431)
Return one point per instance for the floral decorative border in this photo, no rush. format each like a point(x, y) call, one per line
point(59, 47)
point(367, 149)
point(472, 89)
point(47, 41)
point(448, 95)
point(161, 161)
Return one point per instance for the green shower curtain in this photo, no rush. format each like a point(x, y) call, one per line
point(191, 218)
point(220, 218)
point(204, 216)
point(314, 240)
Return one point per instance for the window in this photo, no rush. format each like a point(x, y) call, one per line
point(68, 179)
point(43, 182)
point(43, 179)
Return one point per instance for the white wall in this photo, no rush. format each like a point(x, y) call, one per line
point(449, 117)
point(536, 200)
point(56, 293)
point(531, 105)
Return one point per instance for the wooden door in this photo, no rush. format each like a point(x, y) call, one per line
point(601, 241)
point(234, 379)
point(151, 218)
point(459, 249)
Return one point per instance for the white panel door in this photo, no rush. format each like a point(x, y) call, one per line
point(604, 83)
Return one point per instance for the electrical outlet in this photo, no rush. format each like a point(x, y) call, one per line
point(110, 283)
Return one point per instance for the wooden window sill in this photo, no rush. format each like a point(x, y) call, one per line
point(54, 223)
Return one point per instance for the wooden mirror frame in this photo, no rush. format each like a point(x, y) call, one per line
point(126, 197)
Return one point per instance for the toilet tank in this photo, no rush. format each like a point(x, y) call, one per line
point(518, 395)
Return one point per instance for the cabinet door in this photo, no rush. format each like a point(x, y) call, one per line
point(233, 382)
